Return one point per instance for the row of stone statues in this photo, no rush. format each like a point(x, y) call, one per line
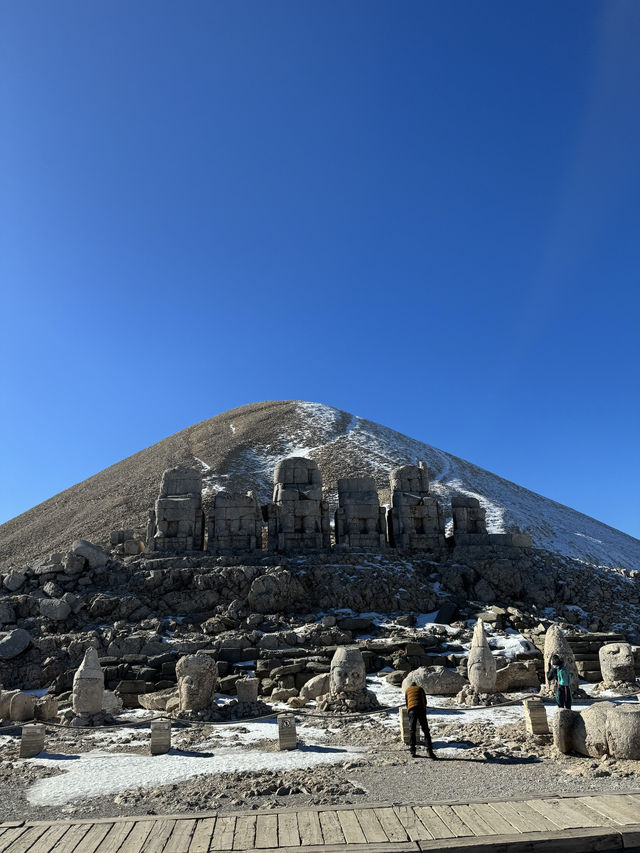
point(298, 517)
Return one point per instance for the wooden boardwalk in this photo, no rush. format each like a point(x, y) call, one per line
point(567, 824)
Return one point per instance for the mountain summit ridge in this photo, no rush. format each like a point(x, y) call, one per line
point(238, 449)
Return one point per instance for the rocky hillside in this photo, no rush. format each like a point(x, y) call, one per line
point(239, 449)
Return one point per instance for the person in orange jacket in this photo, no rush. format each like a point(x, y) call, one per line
point(417, 707)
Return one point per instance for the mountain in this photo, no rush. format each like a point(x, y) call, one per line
point(239, 449)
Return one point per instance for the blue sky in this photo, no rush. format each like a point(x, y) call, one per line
point(424, 213)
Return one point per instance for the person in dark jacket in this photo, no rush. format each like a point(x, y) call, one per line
point(417, 707)
point(559, 675)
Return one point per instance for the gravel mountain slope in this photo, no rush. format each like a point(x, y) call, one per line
point(239, 448)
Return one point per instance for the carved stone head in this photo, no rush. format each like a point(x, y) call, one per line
point(348, 672)
point(197, 680)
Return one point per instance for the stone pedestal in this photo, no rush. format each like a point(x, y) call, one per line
point(247, 689)
point(160, 737)
point(405, 729)
point(535, 716)
point(32, 741)
point(287, 737)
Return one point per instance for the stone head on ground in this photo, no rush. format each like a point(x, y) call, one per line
point(197, 680)
point(616, 663)
point(348, 671)
point(555, 643)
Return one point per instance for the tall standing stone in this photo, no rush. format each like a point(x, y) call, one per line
point(555, 643)
point(88, 685)
point(481, 665)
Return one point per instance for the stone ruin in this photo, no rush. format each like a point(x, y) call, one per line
point(347, 684)
point(298, 517)
point(618, 668)
point(555, 643)
point(195, 695)
point(481, 672)
point(360, 520)
point(177, 522)
point(19, 707)
point(469, 521)
point(415, 521)
point(234, 524)
point(602, 729)
point(87, 694)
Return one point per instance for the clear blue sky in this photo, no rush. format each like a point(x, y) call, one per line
point(427, 214)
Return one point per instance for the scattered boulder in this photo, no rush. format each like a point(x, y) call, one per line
point(55, 609)
point(157, 701)
point(517, 675)
point(94, 555)
point(21, 707)
point(14, 580)
point(436, 680)
point(14, 643)
point(623, 732)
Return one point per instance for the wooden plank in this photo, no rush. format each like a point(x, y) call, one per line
point(116, 837)
point(138, 835)
point(406, 847)
point(391, 825)
point(266, 831)
point(181, 836)
point(72, 838)
point(331, 829)
point(351, 829)
point(620, 802)
point(28, 839)
point(288, 835)
point(499, 825)
point(12, 835)
point(433, 823)
point(309, 827)
point(92, 840)
point(202, 835)
point(223, 833)
point(160, 833)
point(523, 820)
point(457, 826)
point(52, 835)
point(476, 823)
point(370, 825)
point(568, 841)
point(413, 826)
point(245, 832)
point(614, 810)
point(575, 815)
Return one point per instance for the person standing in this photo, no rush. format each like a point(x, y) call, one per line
point(561, 677)
point(417, 708)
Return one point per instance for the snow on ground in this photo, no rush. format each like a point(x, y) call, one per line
point(98, 773)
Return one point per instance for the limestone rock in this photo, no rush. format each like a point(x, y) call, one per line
point(46, 709)
point(588, 736)
point(316, 686)
point(616, 664)
point(88, 685)
point(5, 702)
point(481, 665)
point(435, 680)
point(157, 701)
point(55, 609)
point(623, 732)
point(516, 675)
point(94, 555)
point(14, 643)
point(21, 707)
point(274, 592)
point(7, 613)
point(197, 679)
point(14, 580)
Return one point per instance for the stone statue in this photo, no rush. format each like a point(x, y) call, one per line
point(616, 665)
point(348, 672)
point(360, 520)
point(197, 681)
point(347, 684)
point(481, 665)
point(298, 517)
point(602, 729)
point(555, 643)
point(88, 686)
point(415, 519)
point(178, 524)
